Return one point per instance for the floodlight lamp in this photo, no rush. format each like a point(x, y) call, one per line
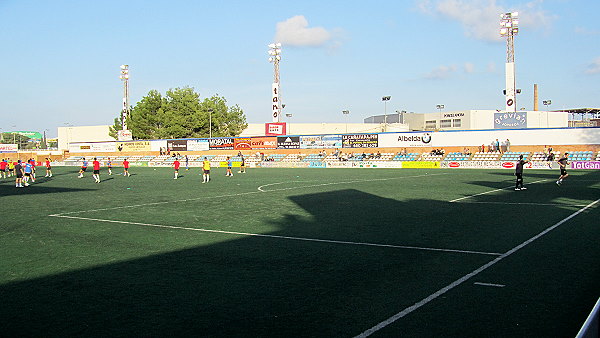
point(515, 14)
point(124, 66)
point(270, 59)
point(271, 52)
point(278, 45)
point(278, 57)
point(515, 22)
point(503, 31)
point(271, 45)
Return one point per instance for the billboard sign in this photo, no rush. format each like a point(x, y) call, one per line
point(275, 129)
point(405, 140)
point(510, 120)
point(263, 142)
point(224, 143)
point(288, 142)
point(360, 141)
point(177, 145)
point(8, 148)
point(197, 145)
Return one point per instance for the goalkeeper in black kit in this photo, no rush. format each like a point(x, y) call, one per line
point(519, 173)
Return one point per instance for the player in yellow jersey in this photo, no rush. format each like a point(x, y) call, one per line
point(206, 170)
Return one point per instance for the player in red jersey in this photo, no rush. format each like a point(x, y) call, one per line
point(3, 166)
point(48, 168)
point(176, 165)
point(126, 168)
point(96, 174)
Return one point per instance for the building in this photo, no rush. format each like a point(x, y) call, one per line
point(478, 119)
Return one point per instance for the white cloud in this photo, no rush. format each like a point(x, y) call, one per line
point(295, 32)
point(469, 67)
point(480, 18)
point(594, 67)
point(441, 72)
point(585, 31)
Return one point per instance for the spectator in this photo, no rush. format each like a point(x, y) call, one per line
point(507, 142)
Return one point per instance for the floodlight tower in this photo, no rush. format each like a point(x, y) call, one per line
point(125, 112)
point(274, 58)
point(509, 28)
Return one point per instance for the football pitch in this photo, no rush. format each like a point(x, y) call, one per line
point(300, 252)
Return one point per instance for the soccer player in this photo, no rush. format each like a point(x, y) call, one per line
point(84, 165)
point(11, 167)
point(229, 165)
point(187, 163)
point(48, 168)
point(32, 162)
point(18, 169)
point(126, 168)
point(3, 166)
point(563, 162)
point(176, 165)
point(206, 170)
point(242, 165)
point(519, 174)
point(109, 166)
point(28, 170)
point(96, 174)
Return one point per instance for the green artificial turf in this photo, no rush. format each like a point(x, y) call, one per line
point(297, 252)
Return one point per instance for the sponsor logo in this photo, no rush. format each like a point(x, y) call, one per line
point(454, 115)
point(454, 164)
point(585, 165)
point(508, 165)
point(426, 138)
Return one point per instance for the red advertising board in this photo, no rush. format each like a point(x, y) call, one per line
point(264, 142)
point(242, 143)
point(275, 129)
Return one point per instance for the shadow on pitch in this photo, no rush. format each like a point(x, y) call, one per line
point(233, 285)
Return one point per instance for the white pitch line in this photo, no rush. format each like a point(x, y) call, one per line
point(490, 284)
point(464, 278)
point(489, 192)
point(284, 237)
point(239, 194)
point(520, 203)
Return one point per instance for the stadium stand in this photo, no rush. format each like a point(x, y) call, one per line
point(457, 156)
point(406, 157)
point(514, 155)
point(491, 156)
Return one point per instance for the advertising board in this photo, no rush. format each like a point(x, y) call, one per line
point(360, 141)
point(263, 143)
point(242, 143)
point(320, 141)
point(197, 145)
point(275, 129)
point(420, 139)
point(420, 164)
point(134, 146)
point(288, 142)
point(510, 120)
point(224, 143)
point(177, 145)
point(585, 165)
point(8, 148)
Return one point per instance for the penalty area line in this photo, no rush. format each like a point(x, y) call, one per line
point(466, 277)
point(284, 237)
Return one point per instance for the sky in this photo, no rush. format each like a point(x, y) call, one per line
point(60, 59)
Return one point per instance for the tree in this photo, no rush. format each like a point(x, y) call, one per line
point(180, 114)
point(114, 129)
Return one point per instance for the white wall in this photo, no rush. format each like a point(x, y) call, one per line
point(258, 129)
point(68, 135)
